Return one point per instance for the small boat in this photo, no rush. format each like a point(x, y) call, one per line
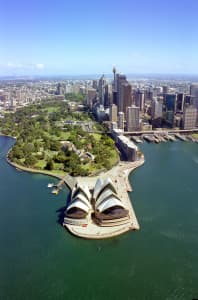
point(50, 185)
point(55, 191)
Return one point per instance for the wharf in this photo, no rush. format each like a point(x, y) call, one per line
point(119, 175)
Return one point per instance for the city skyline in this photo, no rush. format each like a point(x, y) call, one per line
point(89, 38)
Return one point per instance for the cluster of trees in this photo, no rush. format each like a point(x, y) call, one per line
point(76, 97)
point(38, 140)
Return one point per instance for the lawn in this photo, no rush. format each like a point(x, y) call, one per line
point(50, 109)
point(97, 136)
point(195, 135)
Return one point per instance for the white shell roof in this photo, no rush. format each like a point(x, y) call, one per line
point(109, 203)
point(105, 195)
point(97, 187)
point(84, 189)
point(81, 197)
point(78, 204)
point(101, 185)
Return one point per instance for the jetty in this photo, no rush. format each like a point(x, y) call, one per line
point(180, 137)
point(68, 180)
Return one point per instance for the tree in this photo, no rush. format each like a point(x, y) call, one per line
point(49, 165)
point(30, 160)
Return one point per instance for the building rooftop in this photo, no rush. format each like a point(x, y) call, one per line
point(127, 141)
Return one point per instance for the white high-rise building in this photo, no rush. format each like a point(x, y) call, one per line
point(121, 120)
point(113, 113)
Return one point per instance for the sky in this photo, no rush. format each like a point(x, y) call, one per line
point(64, 37)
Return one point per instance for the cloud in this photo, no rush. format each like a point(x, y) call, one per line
point(39, 66)
point(20, 66)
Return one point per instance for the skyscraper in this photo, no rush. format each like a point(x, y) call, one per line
point(108, 96)
point(189, 117)
point(157, 111)
point(101, 89)
point(139, 99)
point(113, 113)
point(120, 79)
point(133, 118)
point(125, 97)
point(170, 107)
point(170, 102)
point(180, 102)
point(194, 94)
point(121, 120)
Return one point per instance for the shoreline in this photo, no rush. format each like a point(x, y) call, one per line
point(120, 176)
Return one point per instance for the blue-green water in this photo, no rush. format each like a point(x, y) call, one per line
point(39, 259)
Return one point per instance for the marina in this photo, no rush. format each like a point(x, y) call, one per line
point(163, 137)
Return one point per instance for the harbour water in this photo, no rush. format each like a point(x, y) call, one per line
point(39, 259)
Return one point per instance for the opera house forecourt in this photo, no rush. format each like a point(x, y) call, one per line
point(99, 207)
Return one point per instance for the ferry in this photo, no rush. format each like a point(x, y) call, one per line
point(55, 191)
point(50, 185)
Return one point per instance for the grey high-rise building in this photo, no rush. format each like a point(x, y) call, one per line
point(95, 84)
point(120, 79)
point(189, 117)
point(101, 89)
point(139, 99)
point(133, 118)
point(125, 97)
point(121, 120)
point(108, 100)
point(91, 97)
point(156, 108)
point(157, 111)
point(180, 102)
point(194, 94)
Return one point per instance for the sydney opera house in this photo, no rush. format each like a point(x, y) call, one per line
point(101, 205)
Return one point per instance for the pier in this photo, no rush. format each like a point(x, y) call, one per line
point(68, 180)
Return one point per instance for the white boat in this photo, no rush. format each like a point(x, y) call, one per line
point(50, 185)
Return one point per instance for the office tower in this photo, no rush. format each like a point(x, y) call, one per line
point(156, 108)
point(108, 96)
point(121, 120)
point(120, 79)
point(189, 117)
point(170, 102)
point(114, 125)
point(188, 100)
point(91, 97)
point(58, 92)
point(180, 102)
point(170, 107)
point(157, 111)
point(113, 113)
point(165, 89)
point(95, 84)
point(133, 118)
point(101, 89)
point(125, 97)
point(114, 79)
point(194, 94)
point(139, 99)
point(114, 87)
point(157, 91)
